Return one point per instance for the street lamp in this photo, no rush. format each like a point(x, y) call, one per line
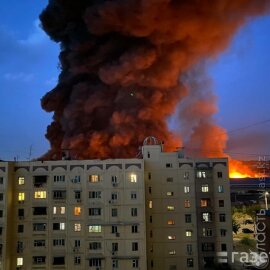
point(265, 198)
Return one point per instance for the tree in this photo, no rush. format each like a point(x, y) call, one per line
point(235, 226)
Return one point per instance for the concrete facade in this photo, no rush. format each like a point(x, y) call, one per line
point(163, 211)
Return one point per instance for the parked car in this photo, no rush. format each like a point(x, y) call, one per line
point(248, 221)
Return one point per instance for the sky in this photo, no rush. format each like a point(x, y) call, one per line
point(29, 68)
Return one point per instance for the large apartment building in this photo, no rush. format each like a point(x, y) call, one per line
point(160, 212)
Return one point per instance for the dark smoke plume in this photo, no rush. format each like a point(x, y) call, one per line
point(122, 67)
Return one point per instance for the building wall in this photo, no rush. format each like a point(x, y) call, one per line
point(30, 246)
point(173, 186)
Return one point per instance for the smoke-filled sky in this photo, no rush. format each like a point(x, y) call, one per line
point(238, 77)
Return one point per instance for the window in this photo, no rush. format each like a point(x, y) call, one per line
point(170, 222)
point(77, 260)
point(188, 218)
point(135, 246)
point(190, 262)
point(114, 212)
point(1, 180)
point(207, 232)
point(186, 175)
point(39, 226)
point(20, 261)
point(150, 219)
point(134, 229)
point(169, 193)
point(172, 252)
point(223, 232)
point(169, 179)
point(221, 203)
point(206, 217)
point(150, 190)
point(77, 195)
point(94, 178)
point(189, 249)
point(59, 260)
point(1, 213)
point(222, 217)
point(114, 247)
point(1, 196)
point(169, 165)
point(187, 203)
point(77, 227)
point(201, 174)
point(219, 174)
point(133, 195)
point(58, 242)
point(59, 178)
point(208, 247)
point(94, 228)
point(94, 211)
point(59, 226)
point(114, 229)
point(223, 247)
point(170, 207)
point(77, 243)
point(76, 179)
point(20, 228)
point(149, 176)
point(1, 230)
point(39, 211)
point(59, 194)
point(220, 189)
point(134, 212)
point(150, 204)
point(40, 180)
point(114, 263)
point(59, 210)
point(133, 178)
point(114, 179)
point(21, 180)
point(135, 263)
point(77, 211)
point(39, 243)
point(95, 262)
point(95, 245)
point(95, 194)
point(21, 212)
point(205, 202)
point(114, 196)
point(188, 233)
point(186, 189)
point(21, 196)
point(205, 188)
point(39, 259)
point(40, 195)
point(171, 237)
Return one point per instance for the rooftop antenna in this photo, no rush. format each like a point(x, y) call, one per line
point(30, 152)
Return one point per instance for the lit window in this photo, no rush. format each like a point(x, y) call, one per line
point(150, 204)
point(172, 252)
point(187, 203)
point(186, 175)
point(206, 217)
point(59, 210)
point(169, 193)
point(205, 188)
point(190, 262)
point(40, 195)
point(94, 178)
point(205, 202)
point(21, 180)
point(201, 174)
point(220, 189)
point(95, 228)
point(21, 196)
point(59, 226)
point(171, 237)
point(77, 211)
point(170, 208)
point(77, 227)
point(188, 233)
point(170, 222)
point(133, 178)
point(20, 261)
point(186, 189)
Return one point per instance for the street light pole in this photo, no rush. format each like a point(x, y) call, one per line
point(265, 198)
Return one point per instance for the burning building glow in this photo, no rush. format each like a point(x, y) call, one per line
point(127, 66)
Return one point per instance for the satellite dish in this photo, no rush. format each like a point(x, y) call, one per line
point(151, 140)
